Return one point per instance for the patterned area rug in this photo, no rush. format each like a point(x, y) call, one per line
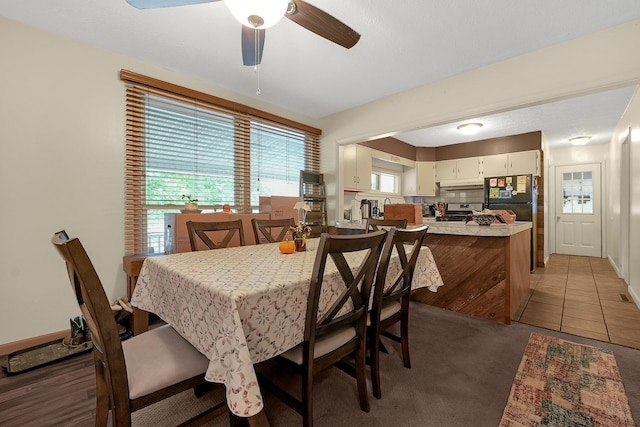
point(561, 383)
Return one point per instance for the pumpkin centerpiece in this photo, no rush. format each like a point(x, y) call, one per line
point(287, 246)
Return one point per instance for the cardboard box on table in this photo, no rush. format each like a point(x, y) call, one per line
point(180, 236)
point(275, 207)
point(279, 207)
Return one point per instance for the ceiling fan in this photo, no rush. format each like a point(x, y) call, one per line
point(254, 21)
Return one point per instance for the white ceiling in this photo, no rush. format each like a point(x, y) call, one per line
point(404, 44)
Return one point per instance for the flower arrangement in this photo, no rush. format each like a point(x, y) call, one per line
point(300, 230)
point(190, 198)
point(191, 204)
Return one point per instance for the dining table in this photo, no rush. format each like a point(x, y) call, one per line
point(243, 305)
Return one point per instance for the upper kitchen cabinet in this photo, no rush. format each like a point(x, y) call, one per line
point(521, 162)
point(458, 169)
point(525, 162)
point(495, 165)
point(421, 180)
point(356, 167)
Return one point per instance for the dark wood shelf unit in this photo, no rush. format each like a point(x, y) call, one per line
point(312, 191)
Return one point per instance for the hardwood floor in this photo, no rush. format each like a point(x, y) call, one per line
point(582, 296)
point(68, 388)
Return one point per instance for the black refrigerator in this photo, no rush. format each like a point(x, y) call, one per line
point(519, 194)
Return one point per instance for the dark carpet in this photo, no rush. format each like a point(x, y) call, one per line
point(462, 371)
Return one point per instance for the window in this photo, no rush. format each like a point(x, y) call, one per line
point(577, 191)
point(184, 142)
point(385, 181)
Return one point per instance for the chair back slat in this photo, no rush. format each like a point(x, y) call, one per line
point(375, 224)
point(200, 230)
point(400, 283)
point(96, 310)
point(357, 281)
point(264, 228)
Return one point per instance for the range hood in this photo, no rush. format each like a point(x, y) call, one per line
point(471, 184)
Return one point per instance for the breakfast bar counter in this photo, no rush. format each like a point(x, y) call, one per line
point(485, 269)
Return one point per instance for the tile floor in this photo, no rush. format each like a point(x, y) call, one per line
point(582, 296)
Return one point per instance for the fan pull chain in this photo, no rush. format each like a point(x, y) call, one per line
point(255, 67)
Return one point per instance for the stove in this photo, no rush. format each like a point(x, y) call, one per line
point(459, 211)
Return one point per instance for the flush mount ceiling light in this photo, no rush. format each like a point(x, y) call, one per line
point(258, 14)
point(580, 140)
point(469, 128)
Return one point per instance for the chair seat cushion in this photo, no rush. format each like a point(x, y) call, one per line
point(387, 311)
point(159, 358)
point(325, 344)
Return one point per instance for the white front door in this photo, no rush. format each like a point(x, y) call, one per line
point(578, 220)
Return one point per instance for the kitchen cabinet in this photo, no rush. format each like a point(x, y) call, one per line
point(524, 163)
point(495, 165)
point(458, 169)
point(446, 169)
point(518, 163)
point(420, 180)
point(356, 167)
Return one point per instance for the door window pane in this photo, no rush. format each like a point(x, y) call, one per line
point(577, 193)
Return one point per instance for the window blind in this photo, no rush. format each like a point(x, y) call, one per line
point(179, 141)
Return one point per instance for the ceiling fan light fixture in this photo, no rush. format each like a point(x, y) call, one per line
point(580, 140)
point(469, 128)
point(258, 14)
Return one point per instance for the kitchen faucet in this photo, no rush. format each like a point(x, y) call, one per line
point(385, 201)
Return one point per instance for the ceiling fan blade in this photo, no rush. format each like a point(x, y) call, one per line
point(323, 24)
point(153, 4)
point(249, 42)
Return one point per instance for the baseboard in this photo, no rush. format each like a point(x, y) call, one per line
point(634, 296)
point(614, 266)
point(6, 349)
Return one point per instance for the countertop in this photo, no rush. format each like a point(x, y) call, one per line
point(459, 228)
point(472, 229)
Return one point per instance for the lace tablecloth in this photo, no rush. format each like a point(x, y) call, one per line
point(243, 305)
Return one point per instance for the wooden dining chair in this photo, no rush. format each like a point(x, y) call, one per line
point(391, 297)
point(201, 230)
point(266, 227)
point(374, 224)
point(140, 371)
point(333, 335)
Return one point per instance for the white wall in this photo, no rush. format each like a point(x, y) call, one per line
point(630, 121)
point(62, 167)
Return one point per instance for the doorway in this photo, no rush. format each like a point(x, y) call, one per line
point(578, 210)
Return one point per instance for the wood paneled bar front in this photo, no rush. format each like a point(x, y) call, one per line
point(485, 269)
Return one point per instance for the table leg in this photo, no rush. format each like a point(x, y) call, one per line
point(140, 321)
point(258, 420)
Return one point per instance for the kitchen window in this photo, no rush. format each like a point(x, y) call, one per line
point(388, 182)
point(184, 142)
